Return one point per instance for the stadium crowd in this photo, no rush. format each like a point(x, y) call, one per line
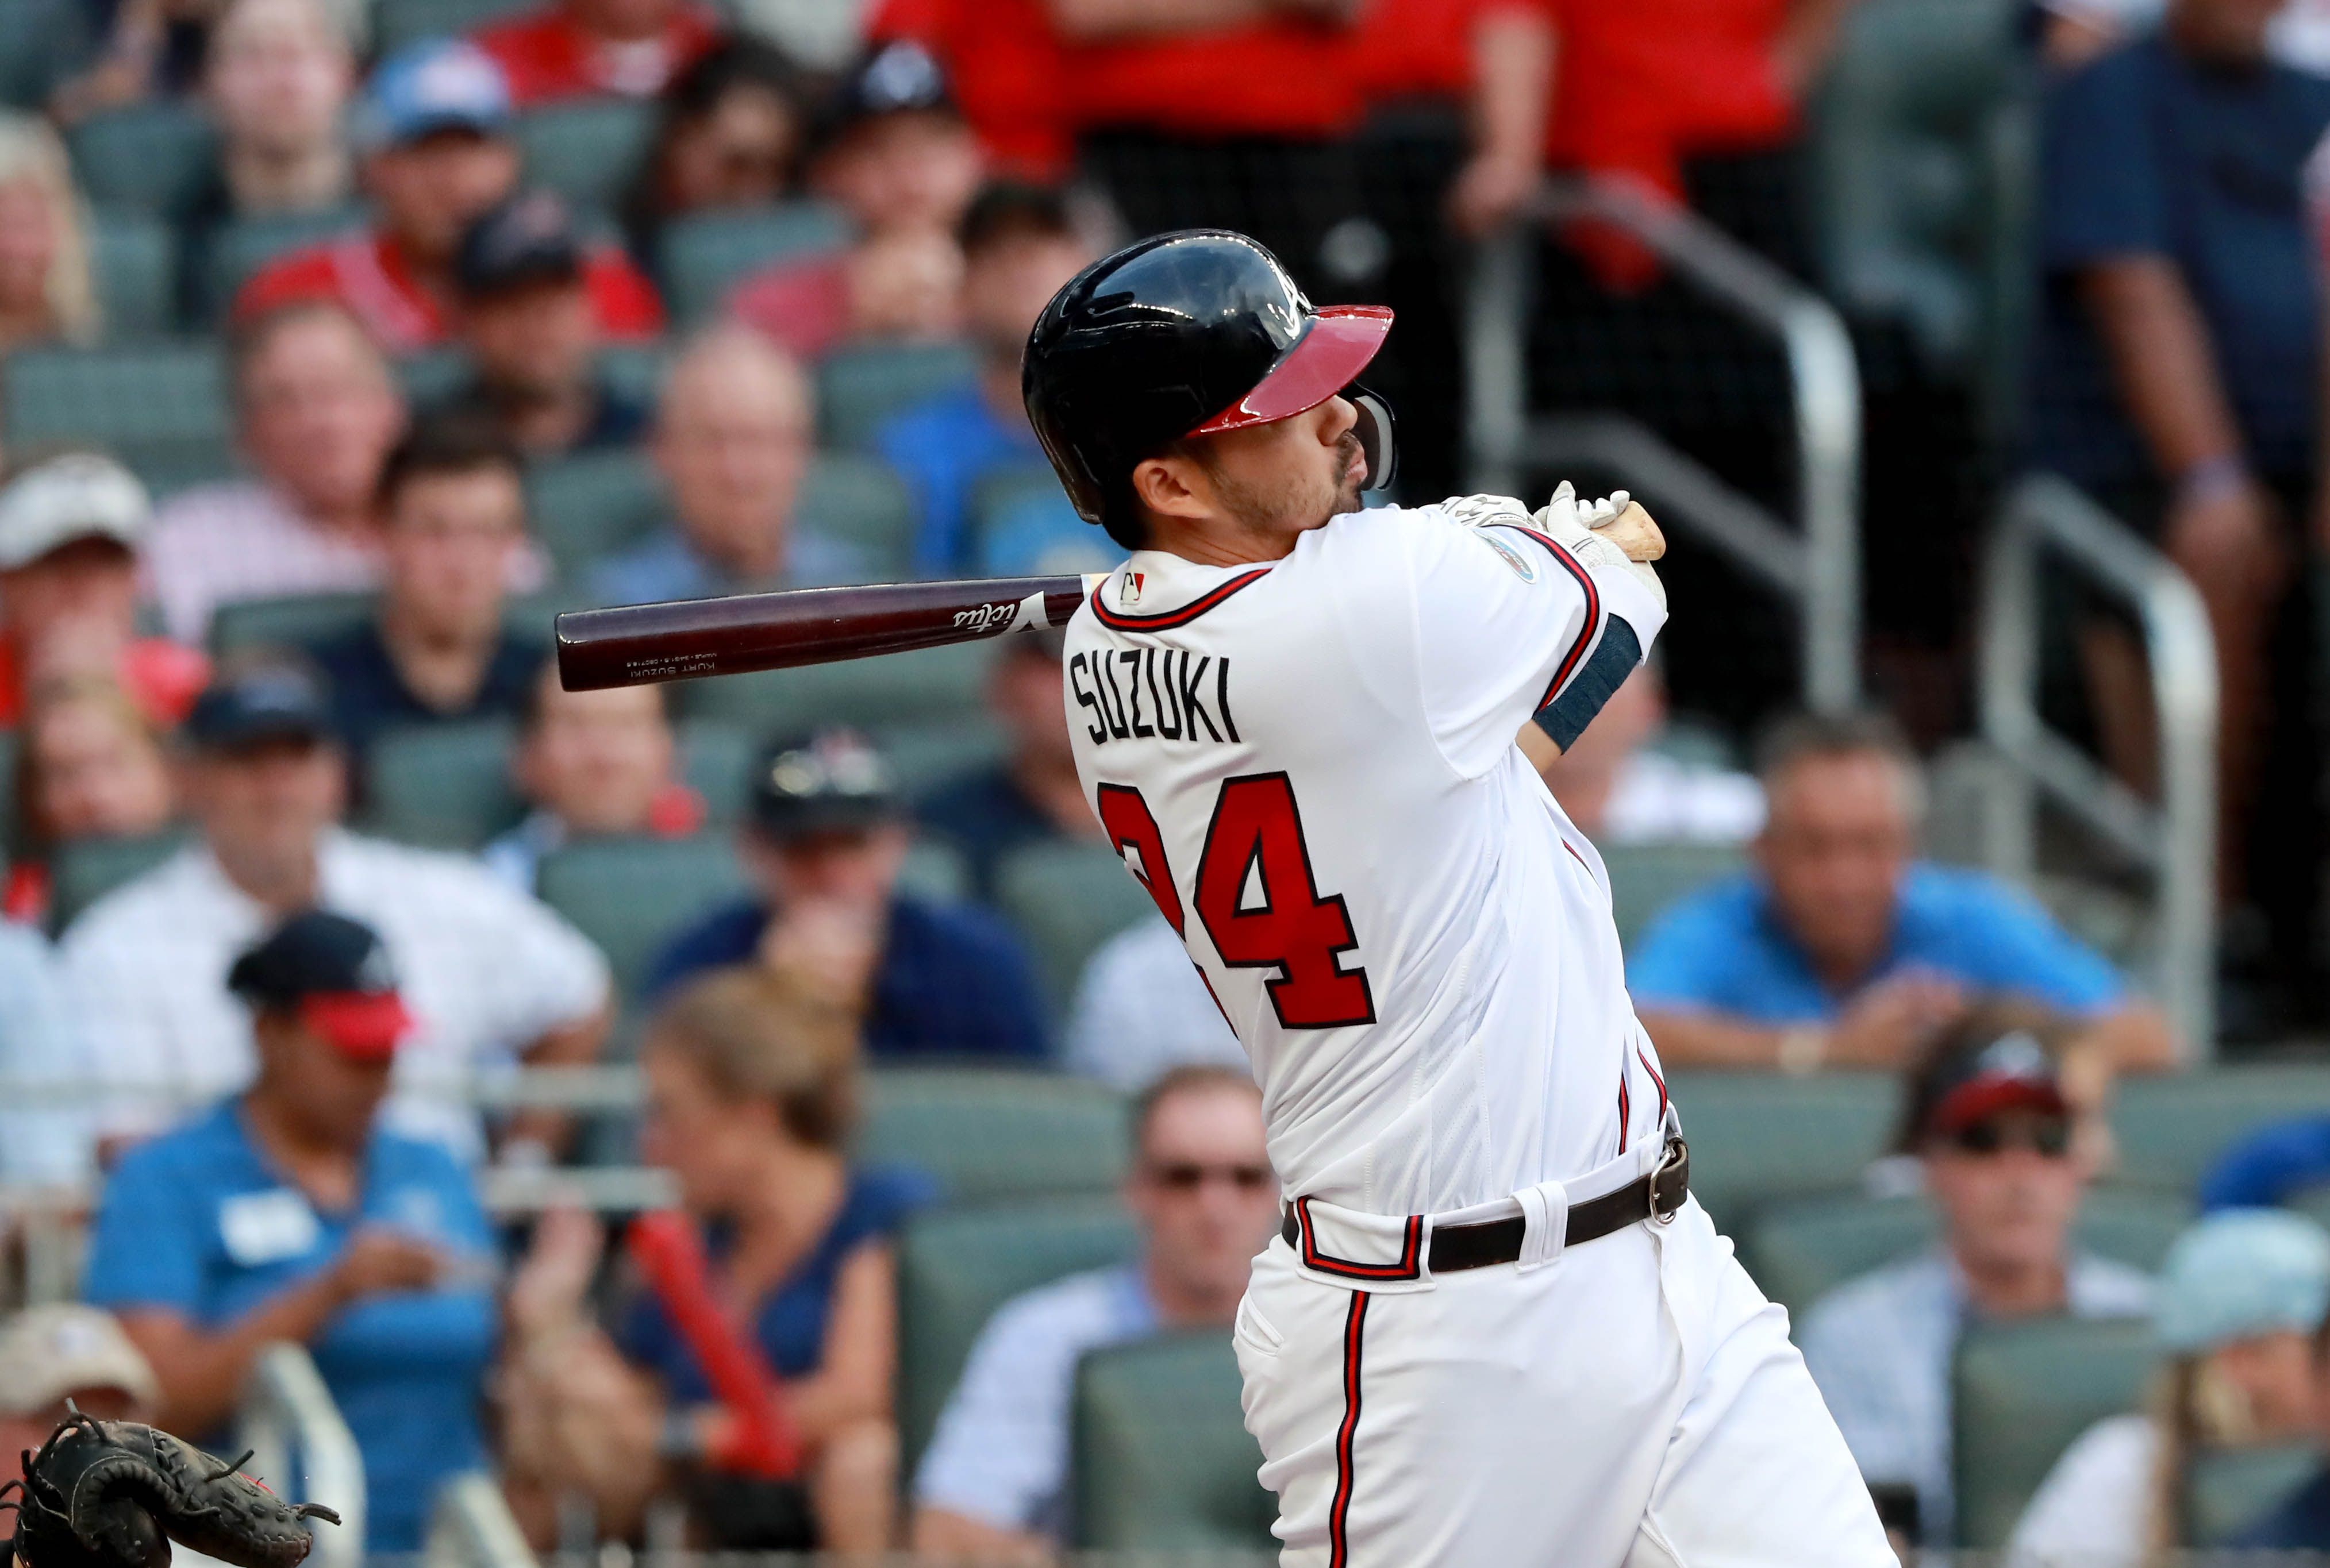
point(477, 312)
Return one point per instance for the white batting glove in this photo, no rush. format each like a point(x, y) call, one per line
point(1571, 524)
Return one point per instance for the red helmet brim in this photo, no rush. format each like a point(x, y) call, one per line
point(1340, 342)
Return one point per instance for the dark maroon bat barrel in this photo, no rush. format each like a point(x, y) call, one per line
point(638, 645)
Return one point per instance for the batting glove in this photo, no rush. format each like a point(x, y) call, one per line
point(1572, 524)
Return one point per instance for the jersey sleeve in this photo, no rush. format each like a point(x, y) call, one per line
point(1510, 626)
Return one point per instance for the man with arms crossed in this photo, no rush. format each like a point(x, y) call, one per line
point(1493, 1330)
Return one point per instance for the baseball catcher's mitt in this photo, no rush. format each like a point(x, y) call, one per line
point(114, 1494)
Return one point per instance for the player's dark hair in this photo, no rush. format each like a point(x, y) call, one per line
point(754, 1034)
point(1190, 1078)
point(444, 444)
point(1008, 209)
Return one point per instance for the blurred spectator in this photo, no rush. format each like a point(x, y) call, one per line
point(1987, 1119)
point(752, 1098)
point(47, 291)
point(278, 77)
point(2174, 374)
point(317, 413)
point(592, 764)
point(287, 1213)
point(994, 1479)
point(1006, 65)
point(452, 512)
point(40, 1042)
point(69, 529)
point(491, 975)
point(533, 340)
point(894, 155)
point(2074, 31)
point(2301, 1522)
point(2237, 1304)
point(90, 764)
point(61, 1355)
point(1019, 247)
point(730, 135)
point(734, 435)
point(434, 130)
point(1030, 796)
point(1843, 949)
point(1618, 790)
point(585, 48)
point(826, 843)
point(148, 49)
point(1142, 1009)
point(2271, 1166)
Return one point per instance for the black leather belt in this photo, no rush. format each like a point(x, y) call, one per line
point(1655, 1197)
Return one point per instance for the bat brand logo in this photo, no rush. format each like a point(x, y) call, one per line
point(986, 617)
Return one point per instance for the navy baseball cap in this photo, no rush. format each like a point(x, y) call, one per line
point(335, 973)
point(270, 702)
point(1969, 1080)
point(435, 85)
point(529, 238)
point(829, 782)
point(897, 78)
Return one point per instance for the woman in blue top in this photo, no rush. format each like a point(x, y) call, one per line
point(752, 1091)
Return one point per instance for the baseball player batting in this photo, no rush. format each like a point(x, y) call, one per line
point(1495, 1327)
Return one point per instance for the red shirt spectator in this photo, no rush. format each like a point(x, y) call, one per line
point(1283, 77)
point(1418, 48)
point(584, 48)
point(1004, 62)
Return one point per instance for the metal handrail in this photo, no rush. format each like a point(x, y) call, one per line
point(1821, 370)
point(472, 1526)
point(301, 1447)
point(2175, 840)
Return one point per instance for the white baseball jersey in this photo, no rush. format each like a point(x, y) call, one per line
point(1310, 763)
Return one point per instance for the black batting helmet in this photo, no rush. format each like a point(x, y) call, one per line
point(1188, 334)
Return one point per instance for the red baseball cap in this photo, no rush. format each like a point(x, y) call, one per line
point(334, 974)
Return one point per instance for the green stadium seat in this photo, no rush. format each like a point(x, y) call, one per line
point(920, 686)
point(135, 257)
point(1067, 899)
point(1645, 878)
point(589, 504)
point(1801, 1249)
point(717, 761)
point(1161, 1460)
point(862, 503)
point(40, 41)
point(397, 23)
point(991, 1134)
point(1755, 1136)
point(704, 255)
point(88, 869)
point(444, 786)
point(957, 1266)
point(2022, 1392)
point(2172, 1127)
point(859, 387)
point(160, 404)
point(153, 156)
point(242, 246)
point(291, 621)
point(924, 756)
point(934, 873)
point(588, 151)
point(630, 895)
point(2228, 1489)
point(634, 369)
point(432, 374)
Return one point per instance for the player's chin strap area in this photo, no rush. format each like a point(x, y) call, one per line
point(1657, 1195)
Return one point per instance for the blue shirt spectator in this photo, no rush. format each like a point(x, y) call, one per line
point(1029, 796)
point(2299, 1523)
point(2270, 1167)
point(668, 565)
point(370, 695)
point(943, 449)
point(201, 1222)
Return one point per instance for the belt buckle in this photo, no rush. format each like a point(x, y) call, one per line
point(1678, 1153)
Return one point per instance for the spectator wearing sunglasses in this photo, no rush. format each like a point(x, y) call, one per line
point(993, 1483)
point(1988, 1124)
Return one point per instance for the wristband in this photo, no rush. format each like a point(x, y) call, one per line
point(1801, 1050)
point(2211, 479)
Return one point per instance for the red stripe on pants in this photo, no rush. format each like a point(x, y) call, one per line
point(1339, 1512)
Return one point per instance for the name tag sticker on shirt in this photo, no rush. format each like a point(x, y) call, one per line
point(261, 1228)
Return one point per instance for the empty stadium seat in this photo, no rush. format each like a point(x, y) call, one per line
point(630, 895)
point(159, 404)
point(704, 255)
point(920, 686)
point(923, 756)
point(990, 1134)
point(240, 246)
point(1799, 1250)
point(135, 257)
point(861, 502)
point(155, 156)
point(2172, 1127)
point(1755, 1136)
point(956, 1266)
point(291, 620)
point(87, 869)
point(1161, 1460)
point(446, 786)
point(859, 387)
point(2228, 1489)
point(2021, 1393)
point(1067, 899)
point(588, 151)
point(397, 23)
point(717, 761)
point(592, 504)
point(1645, 878)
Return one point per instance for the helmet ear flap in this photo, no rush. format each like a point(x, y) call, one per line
point(1379, 435)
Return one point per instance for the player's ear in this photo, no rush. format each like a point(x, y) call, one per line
point(1172, 485)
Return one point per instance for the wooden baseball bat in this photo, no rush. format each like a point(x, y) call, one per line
point(638, 645)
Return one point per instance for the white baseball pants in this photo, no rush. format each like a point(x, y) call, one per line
point(1633, 1402)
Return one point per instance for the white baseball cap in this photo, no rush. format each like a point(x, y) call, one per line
point(49, 1352)
point(73, 495)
